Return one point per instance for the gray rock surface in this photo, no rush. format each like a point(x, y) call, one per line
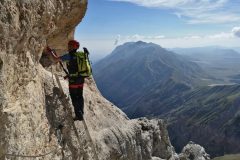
point(193, 151)
point(25, 29)
point(36, 122)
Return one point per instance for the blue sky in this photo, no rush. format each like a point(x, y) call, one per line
point(169, 23)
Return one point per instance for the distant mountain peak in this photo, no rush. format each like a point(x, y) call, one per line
point(141, 43)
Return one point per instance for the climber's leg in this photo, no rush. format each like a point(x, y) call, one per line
point(77, 101)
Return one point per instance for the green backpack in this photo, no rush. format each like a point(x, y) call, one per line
point(84, 65)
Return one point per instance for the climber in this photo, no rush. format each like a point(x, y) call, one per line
point(78, 66)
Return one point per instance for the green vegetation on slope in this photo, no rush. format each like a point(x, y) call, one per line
point(208, 116)
point(229, 157)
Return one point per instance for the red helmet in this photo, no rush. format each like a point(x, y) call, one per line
point(75, 44)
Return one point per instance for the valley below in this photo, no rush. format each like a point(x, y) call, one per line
point(196, 91)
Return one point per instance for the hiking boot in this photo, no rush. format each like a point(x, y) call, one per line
point(78, 118)
point(60, 126)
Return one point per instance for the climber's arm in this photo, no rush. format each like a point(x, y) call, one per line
point(65, 57)
point(55, 57)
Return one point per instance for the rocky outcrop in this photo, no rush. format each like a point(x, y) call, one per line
point(35, 122)
point(193, 151)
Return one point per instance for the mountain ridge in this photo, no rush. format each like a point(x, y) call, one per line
point(221, 63)
point(175, 97)
point(147, 63)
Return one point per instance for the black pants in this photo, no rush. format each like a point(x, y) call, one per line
point(77, 101)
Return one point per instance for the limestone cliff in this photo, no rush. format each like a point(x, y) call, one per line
point(35, 123)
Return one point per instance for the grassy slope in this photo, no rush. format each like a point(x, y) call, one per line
point(229, 157)
point(209, 116)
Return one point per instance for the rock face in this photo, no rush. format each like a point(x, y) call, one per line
point(34, 120)
point(193, 151)
point(115, 136)
point(25, 28)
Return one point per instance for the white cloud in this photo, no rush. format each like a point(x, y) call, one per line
point(192, 37)
point(226, 39)
point(196, 11)
point(236, 31)
point(137, 37)
point(117, 40)
point(222, 35)
point(178, 3)
point(100, 48)
point(156, 37)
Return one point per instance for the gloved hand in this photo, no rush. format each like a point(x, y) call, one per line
point(85, 50)
point(52, 52)
point(48, 50)
point(66, 77)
